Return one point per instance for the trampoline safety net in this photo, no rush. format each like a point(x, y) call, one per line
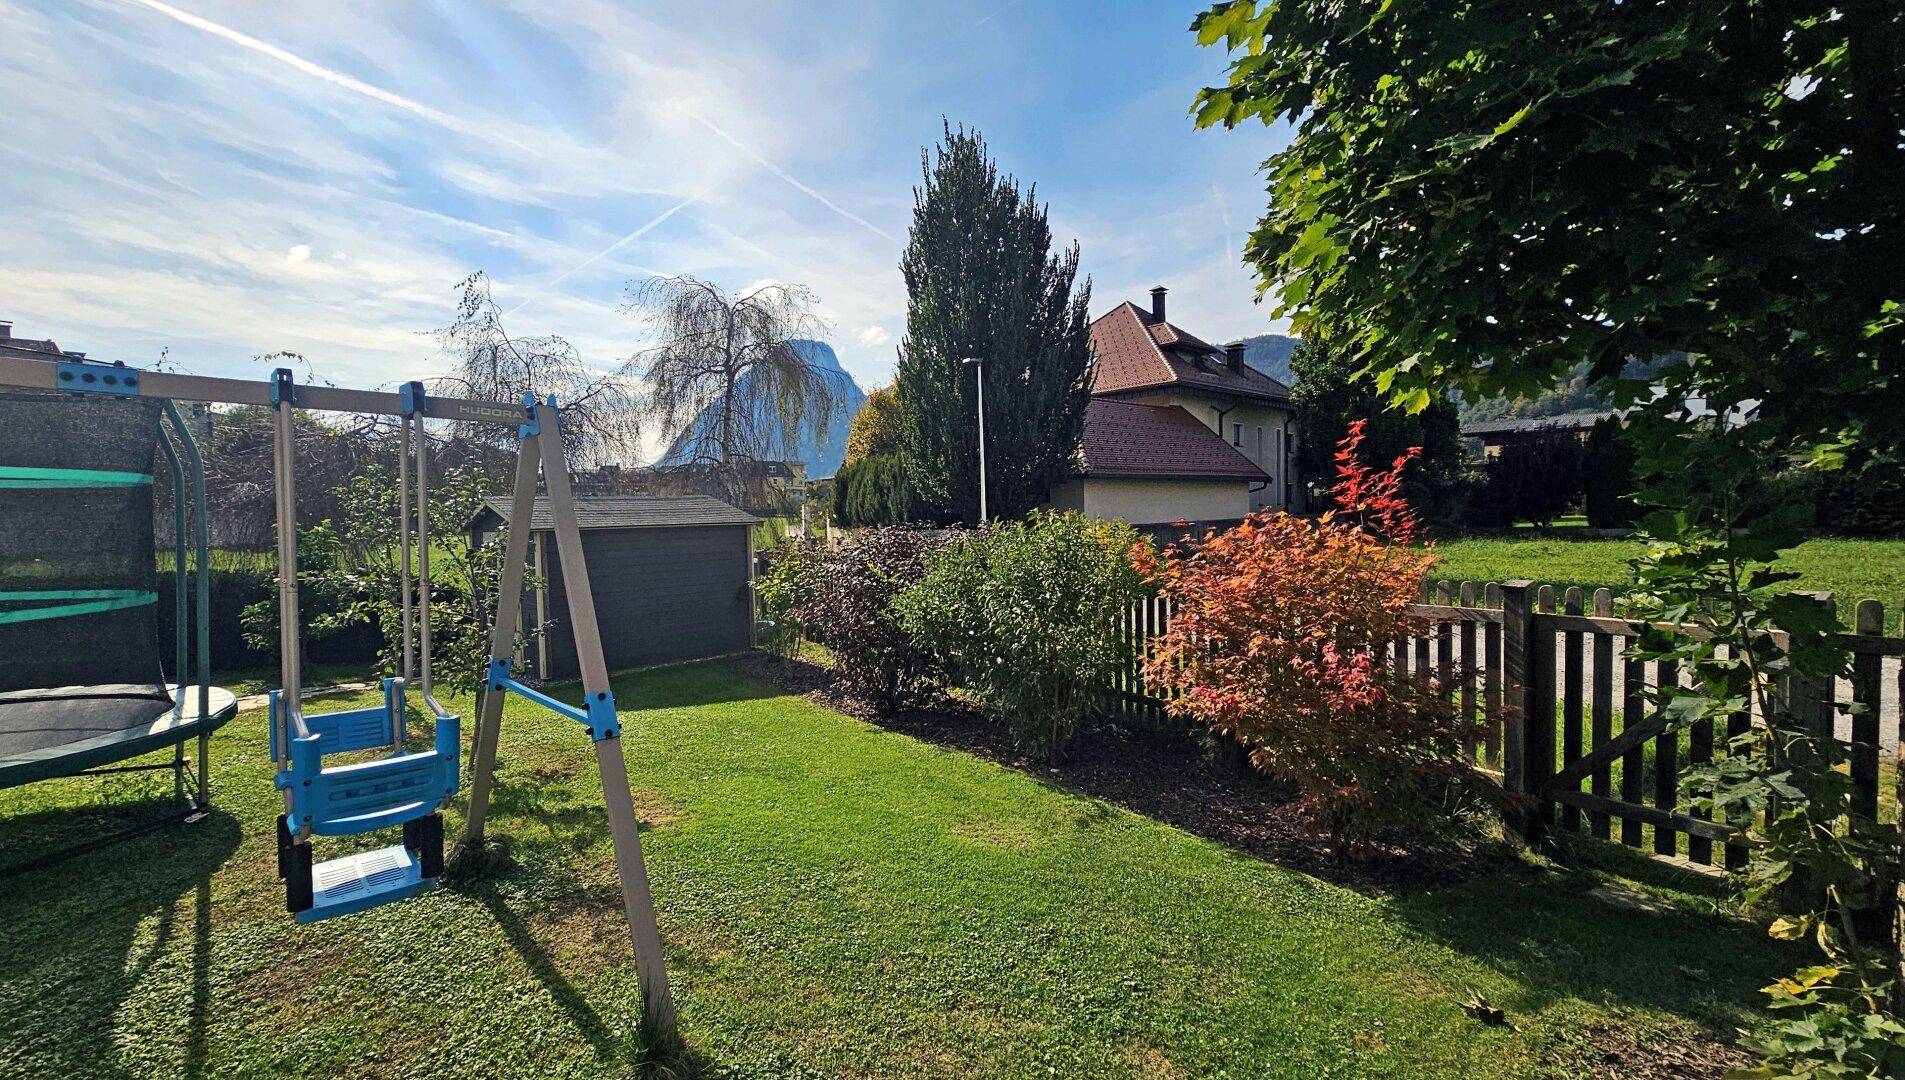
point(79, 629)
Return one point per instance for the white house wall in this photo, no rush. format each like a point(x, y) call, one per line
point(1154, 502)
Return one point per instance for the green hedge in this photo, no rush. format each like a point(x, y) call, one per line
point(874, 491)
point(232, 592)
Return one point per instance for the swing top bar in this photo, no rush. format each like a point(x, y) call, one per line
point(18, 367)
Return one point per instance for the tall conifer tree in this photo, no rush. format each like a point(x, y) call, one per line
point(983, 281)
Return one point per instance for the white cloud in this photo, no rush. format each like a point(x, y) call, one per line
point(874, 336)
point(298, 253)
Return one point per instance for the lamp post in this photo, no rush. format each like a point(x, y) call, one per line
point(979, 365)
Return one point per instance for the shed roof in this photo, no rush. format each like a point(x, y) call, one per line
point(1574, 421)
point(1125, 438)
point(627, 512)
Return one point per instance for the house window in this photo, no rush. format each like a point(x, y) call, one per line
point(1237, 435)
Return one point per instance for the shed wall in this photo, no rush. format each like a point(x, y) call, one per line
point(661, 595)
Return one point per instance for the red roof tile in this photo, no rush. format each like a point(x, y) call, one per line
point(1124, 438)
point(1137, 352)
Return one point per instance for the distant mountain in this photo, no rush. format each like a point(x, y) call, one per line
point(1571, 394)
point(822, 456)
point(1270, 354)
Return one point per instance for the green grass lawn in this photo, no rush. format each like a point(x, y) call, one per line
point(837, 901)
point(1852, 570)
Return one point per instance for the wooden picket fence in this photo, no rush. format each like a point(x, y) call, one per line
point(1565, 719)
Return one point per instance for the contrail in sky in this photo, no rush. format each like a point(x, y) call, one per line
point(458, 124)
point(335, 78)
point(612, 248)
point(1223, 214)
point(782, 173)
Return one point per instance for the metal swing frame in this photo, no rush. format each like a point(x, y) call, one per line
point(540, 455)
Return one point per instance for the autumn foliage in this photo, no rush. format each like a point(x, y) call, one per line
point(1278, 641)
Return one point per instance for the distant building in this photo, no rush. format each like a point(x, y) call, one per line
point(1159, 468)
point(1143, 358)
point(9, 343)
point(1495, 434)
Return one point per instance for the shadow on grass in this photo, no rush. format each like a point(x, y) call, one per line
point(567, 997)
point(1574, 935)
point(636, 1052)
point(74, 950)
point(684, 686)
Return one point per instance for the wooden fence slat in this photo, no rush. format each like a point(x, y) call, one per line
point(1603, 708)
point(1445, 645)
point(1666, 766)
point(1423, 665)
point(1633, 707)
point(1541, 665)
point(1121, 682)
point(1520, 741)
point(1465, 596)
point(1734, 856)
point(1700, 752)
point(1571, 703)
point(1867, 619)
point(1492, 679)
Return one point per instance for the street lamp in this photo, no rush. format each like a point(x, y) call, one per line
point(979, 364)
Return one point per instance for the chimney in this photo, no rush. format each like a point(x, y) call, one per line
point(1234, 356)
point(6, 330)
point(1157, 303)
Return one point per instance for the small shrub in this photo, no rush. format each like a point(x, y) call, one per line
point(1868, 502)
point(1278, 641)
point(1607, 478)
point(1535, 479)
point(1024, 615)
point(842, 599)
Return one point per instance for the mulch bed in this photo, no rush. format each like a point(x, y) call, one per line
point(1180, 780)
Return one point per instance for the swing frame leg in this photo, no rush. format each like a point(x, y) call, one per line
point(541, 440)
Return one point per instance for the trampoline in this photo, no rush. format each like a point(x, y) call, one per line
point(83, 682)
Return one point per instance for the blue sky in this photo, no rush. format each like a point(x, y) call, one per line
point(225, 179)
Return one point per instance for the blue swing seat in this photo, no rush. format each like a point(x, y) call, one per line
point(402, 789)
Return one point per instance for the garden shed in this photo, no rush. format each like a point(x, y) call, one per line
point(672, 577)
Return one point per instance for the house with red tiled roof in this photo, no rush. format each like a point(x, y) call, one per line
point(1159, 468)
point(1145, 359)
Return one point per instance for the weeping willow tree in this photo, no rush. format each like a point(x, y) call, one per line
point(601, 420)
point(729, 382)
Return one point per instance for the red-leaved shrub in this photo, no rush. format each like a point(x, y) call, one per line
point(1278, 641)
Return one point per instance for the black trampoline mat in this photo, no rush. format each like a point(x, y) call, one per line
point(70, 729)
point(33, 720)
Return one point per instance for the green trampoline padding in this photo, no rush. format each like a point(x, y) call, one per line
point(67, 730)
point(81, 602)
point(20, 476)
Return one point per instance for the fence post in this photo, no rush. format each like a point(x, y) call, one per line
point(1527, 726)
point(1808, 702)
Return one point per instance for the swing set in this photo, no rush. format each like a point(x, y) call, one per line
point(401, 790)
